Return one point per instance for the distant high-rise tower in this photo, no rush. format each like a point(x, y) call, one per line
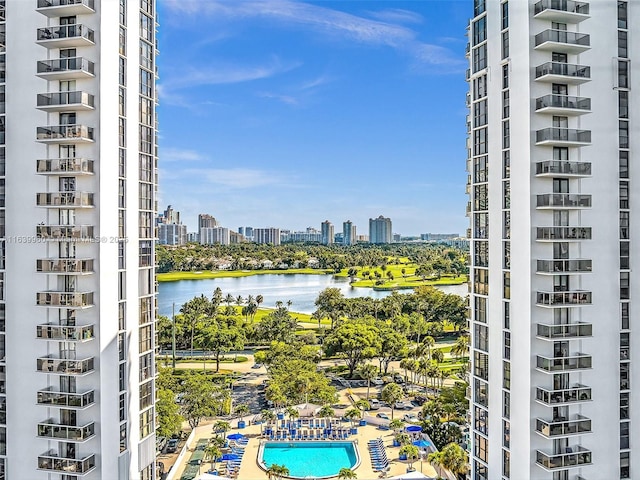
point(348, 233)
point(77, 361)
point(326, 229)
point(554, 126)
point(380, 230)
point(206, 221)
point(266, 235)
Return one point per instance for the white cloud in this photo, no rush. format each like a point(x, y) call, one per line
point(170, 154)
point(397, 15)
point(239, 177)
point(288, 99)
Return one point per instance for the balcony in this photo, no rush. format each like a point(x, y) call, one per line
point(61, 366)
point(66, 68)
point(561, 168)
point(65, 232)
point(563, 105)
point(65, 266)
point(51, 398)
point(65, 8)
point(573, 457)
point(65, 166)
point(65, 101)
point(570, 363)
point(65, 134)
point(561, 41)
point(563, 331)
point(558, 72)
point(563, 299)
point(65, 199)
point(51, 462)
point(65, 36)
point(50, 429)
point(65, 333)
point(563, 201)
point(576, 394)
point(562, 234)
point(553, 267)
point(563, 137)
point(64, 299)
point(561, 11)
point(560, 427)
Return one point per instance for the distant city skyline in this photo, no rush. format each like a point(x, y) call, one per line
point(288, 113)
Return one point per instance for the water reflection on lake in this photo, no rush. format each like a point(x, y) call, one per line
point(301, 289)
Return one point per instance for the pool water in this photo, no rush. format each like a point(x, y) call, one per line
point(310, 459)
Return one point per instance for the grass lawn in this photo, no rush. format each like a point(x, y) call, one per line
point(175, 276)
point(409, 282)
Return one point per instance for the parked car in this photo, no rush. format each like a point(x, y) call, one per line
point(256, 365)
point(172, 445)
point(377, 382)
point(398, 378)
point(383, 416)
point(410, 418)
point(374, 404)
point(402, 405)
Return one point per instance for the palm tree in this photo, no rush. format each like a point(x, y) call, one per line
point(268, 416)
point(292, 413)
point(229, 299)
point(403, 438)
point(326, 412)
point(429, 342)
point(222, 426)
point(259, 300)
point(352, 414)
point(412, 452)
point(362, 404)
point(346, 474)
point(211, 453)
point(461, 347)
point(396, 425)
point(438, 356)
point(289, 303)
point(391, 394)
point(276, 472)
point(242, 410)
point(368, 372)
point(239, 300)
point(452, 457)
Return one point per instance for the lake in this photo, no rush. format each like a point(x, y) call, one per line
point(301, 289)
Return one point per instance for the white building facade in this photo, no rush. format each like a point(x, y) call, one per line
point(78, 292)
point(349, 234)
point(267, 235)
point(327, 232)
point(380, 230)
point(552, 135)
point(214, 236)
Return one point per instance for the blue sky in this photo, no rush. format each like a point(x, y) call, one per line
point(286, 113)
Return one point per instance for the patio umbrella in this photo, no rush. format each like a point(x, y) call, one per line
point(410, 428)
point(235, 436)
point(229, 456)
point(422, 443)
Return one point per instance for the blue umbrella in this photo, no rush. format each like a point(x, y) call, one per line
point(229, 456)
point(235, 436)
point(422, 443)
point(413, 428)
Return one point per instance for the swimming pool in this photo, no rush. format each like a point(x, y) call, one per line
point(309, 459)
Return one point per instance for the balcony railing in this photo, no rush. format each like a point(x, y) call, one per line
point(65, 133)
point(563, 168)
point(65, 166)
point(561, 427)
point(66, 333)
point(65, 101)
point(561, 234)
point(563, 200)
point(562, 41)
point(66, 68)
point(64, 265)
point(65, 232)
point(562, 11)
point(559, 299)
point(567, 72)
point(575, 361)
point(75, 35)
point(573, 457)
point(568, 330)
point(65, 199)
point(51, 429)
point(51, 462)
point(577, 393)
point(64, 299)
point(61, 8)
point(563, 266)
point(563, 136)
point(62, 366)
point(563, 104)
point(51, 398)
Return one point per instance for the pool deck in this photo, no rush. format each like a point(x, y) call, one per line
point(250, 470)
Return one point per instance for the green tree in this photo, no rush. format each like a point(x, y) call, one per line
point(326, 412)
point(211, 454)
point(352, 414)
point(168, 412)
point(346, 474)
point(368, 372)
point(461, 347)
point(278, 325)
point(201, 398)
point(437, 356)
point(396, 425)
point(452, 457)
point(391, 394)
point(356, 340)
point(277, 472)
point(330, 304)
point(221, 426)
point(392, 344)
point(193, 312)
point(412, 452)
point(402, 438)
point(219, 339)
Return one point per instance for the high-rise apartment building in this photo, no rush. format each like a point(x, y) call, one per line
point(327, 231)
point(206, 221)
point(77, 300)
point(215, 236)
point(170, 228)
point(266, 235)
point(550, 160)
point(348, 233)
point(380, 230)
